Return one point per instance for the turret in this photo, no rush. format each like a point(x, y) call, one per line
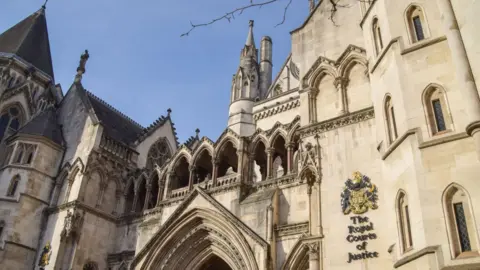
point(245, 89)
point(265, 65)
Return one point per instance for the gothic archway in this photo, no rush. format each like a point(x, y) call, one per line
point(198, 239)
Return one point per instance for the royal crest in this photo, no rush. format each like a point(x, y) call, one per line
point(359, 195)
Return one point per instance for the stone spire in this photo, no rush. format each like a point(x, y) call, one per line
point(250, 39)
point(29, 41)
point(81, 66)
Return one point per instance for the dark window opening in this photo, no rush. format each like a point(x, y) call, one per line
point(462, 227)
point(438, 113)
point(417, 24)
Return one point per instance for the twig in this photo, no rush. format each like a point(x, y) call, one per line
point(231, 14)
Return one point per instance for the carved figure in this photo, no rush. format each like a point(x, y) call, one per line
point(45, 256)
point(359, 195)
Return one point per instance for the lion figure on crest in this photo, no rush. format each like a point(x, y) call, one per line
point(359, 195)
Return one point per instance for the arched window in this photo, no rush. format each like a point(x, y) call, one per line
point(403, 217)
point(377, 36)
point(159, 153)
point(461, 227)
point(390, 120)
point(436, 108)
point(12, 188)
point(10, 121)
point(416, 23)
point(24, 154)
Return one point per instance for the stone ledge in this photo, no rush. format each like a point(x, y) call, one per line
point(416, 255)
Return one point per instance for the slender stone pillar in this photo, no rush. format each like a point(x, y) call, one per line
point(215, 165)
point(166, 192)
point(56, 193)
point(103, 187)
point(161, 187)
point(134, 204)
point(463, 71)
point(191, 178)
point(270, 152)
point(118, 196)
point(270, 224)
point(289, 147)
point(147, 197)
point(341, 85)
point(312, 104)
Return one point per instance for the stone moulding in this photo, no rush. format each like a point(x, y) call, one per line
point(275, 182)
point(292, 229)
point(338, 122)
point(277, 109)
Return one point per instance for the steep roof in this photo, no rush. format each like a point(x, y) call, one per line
point(45, 124)
point(28, 40)
point(117, 125)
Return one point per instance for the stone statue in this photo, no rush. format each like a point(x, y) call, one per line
point(83, 61)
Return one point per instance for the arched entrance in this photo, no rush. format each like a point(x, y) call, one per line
point(215, 263)
point(200, 239)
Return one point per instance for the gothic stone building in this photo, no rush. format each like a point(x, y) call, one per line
point(361, 153)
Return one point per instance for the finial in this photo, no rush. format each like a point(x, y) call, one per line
point(169, 111)
point(197, 131)
point(250, 23)
point(250, 40)
point(81, 66)
point(45, 4)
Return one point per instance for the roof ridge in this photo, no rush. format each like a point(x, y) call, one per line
point(114, 109)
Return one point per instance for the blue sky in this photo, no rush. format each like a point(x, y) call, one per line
point(140, 64)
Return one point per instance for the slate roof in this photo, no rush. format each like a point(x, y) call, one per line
point(28, 40)
point(45, 124)
point(117, 125)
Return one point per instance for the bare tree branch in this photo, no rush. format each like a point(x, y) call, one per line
point(231, 14)
point(239, 11)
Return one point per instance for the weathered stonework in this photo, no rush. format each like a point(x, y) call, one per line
point(362, 152)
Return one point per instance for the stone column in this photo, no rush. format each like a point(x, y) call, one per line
point(463, 71)
point(147, 197)
point(313, 258)
point(215, 163)
point(191, 178)
point(270, 224)
point(161, 187)
point(135, 199)
point(270, 151)
point(319, 211)
point(168, 185)
point(289, 147)
point(240, 164)
point(312, 104)
point(251, 171)
point(341, 85)
point(309, 194)
point(118, 196)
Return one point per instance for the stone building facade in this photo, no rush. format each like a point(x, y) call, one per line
point(361, 153)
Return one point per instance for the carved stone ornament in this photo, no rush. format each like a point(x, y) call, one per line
point(309, 166)
point(359, 195)
point(73, 222)
point(45, 256)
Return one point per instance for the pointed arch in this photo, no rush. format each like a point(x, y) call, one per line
point(377, 36)
point(256, 140)
point(390, 119)
point(403, 220)
point(211, 231)
point(291, 133)
point(12, 117)
point(297, 258)
point(204, 145)
point(352, 58)
point(437, 109)
point(158, 154)
point(183, 152)
point(460, 221)
point(224, 139)
point(279, 132)
point(13, 186)
point(416, 22)
point(323, 71)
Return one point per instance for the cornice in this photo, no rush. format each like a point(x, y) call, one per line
point(293, 102)
point(338, 122)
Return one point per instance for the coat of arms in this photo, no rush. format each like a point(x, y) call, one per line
point(359, 195)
